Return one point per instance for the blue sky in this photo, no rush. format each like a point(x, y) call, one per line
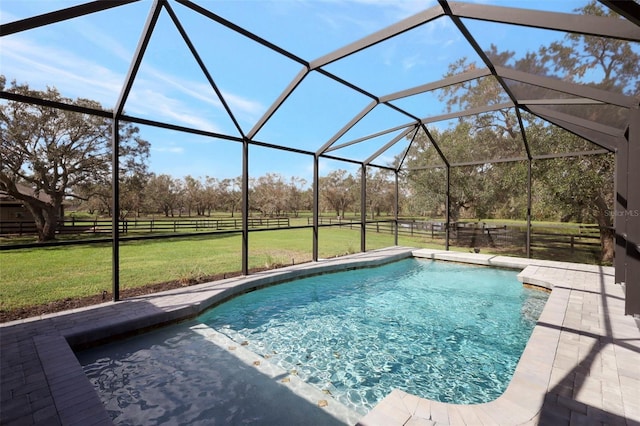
point(89, 57)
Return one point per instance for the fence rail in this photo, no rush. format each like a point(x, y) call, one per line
point(77, 226)
point(478, 235)
point(472, 235)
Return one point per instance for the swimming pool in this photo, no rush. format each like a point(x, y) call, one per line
point(443, 331)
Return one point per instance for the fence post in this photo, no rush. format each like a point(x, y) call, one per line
point(572, 244)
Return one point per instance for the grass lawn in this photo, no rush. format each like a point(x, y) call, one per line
point(37, 276)
point(41, 275)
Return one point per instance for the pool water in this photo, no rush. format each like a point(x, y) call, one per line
point(443, 331)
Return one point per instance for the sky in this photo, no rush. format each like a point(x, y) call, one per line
point(89, 57)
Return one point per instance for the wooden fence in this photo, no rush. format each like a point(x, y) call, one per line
point(478, 235)
point(473, 234)
point(76, 226)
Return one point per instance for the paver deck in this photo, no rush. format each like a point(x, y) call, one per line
point(580, 366)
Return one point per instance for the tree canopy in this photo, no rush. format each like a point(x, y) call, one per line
point(60, 153)
point(576, 188)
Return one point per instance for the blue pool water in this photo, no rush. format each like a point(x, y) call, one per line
point(443, 331)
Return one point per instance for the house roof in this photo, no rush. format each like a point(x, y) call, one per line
point(24, 189)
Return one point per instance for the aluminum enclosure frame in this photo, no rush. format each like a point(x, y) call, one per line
point(624, 143)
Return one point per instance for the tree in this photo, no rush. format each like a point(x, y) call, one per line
point(132, 194)
point(162, 194)
point(297, 198)
point(231, 194)
point(193, 195)
point(581, 188)
point(617, 67)
point(210, 194)
point(269, 194)
point(380, 192)
point(468, 189)
point(576, 188)
point(56, 152)
point(424, 181)
point(95, 197)
point(616, 64)
point(337, 190)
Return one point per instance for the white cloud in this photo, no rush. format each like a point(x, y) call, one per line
point(104, 41)
point(401, 9)
point(172, 97)
point(412, 61)
point(244, 105)
point(169, 149)
point(148, 102)
point(440, 32)
point(202, 91)
point(41, 65)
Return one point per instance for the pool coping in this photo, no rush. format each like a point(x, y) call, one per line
point(43, 383)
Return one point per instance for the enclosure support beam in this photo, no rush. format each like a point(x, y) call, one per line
point(599, 26)
point(527, 148)
point(529, 208)
point(316, 205)
point(115, 211)
point(447, 206)
point(366, 110)
point(245, 207)
point(628, 9)
point(620, 220)
point(60, 15)
point(379, 36)
point(203, 67)
point(632, 215)
point(363, 208)
point(396, 207)
point(152, 18)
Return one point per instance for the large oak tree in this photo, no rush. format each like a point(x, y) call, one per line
point(59, 153)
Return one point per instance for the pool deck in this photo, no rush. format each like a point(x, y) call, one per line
point(579, 367)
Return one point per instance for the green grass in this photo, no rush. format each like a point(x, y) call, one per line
point(41, 275)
